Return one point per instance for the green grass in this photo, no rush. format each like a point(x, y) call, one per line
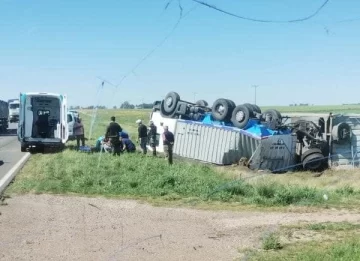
point(346, 250)
point(271, 241)
point(331, 241)
point(330, 226)
point(137, 176)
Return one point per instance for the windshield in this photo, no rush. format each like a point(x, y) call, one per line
point(14, 106)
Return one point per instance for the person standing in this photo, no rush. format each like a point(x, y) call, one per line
point(152, 137)
point(142, 136)
point(168, 143)
point(112, 133)
point(79, 132)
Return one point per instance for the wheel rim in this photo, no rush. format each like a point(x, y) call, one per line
point(240, 115)
point(220, 109)
point(169, 101)
point(268, 117)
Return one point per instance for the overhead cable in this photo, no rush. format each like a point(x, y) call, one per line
point(262, 20)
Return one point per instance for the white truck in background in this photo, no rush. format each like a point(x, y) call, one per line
point(43, 121)
point(14, 105)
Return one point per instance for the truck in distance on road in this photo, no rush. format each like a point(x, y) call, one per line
point(14, 105)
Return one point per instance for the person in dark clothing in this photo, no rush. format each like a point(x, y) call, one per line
point(127, 145)
point(152, 137)
point(79, 132)
point(112, 133)
point(168, 143)
point(142, 136)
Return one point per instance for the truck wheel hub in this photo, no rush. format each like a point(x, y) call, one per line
point(240, 116)
point(169, 101)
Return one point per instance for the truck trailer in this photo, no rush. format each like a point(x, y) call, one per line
point(4, 116)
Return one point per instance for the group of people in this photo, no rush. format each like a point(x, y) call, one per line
point(115, 141)
point(119, 144)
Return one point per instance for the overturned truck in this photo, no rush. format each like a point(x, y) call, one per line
point(226, 133)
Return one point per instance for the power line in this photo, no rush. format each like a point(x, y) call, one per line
point(181, 16)
point(261, 20)
point(142, 60)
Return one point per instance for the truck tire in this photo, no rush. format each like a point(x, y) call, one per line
point(313, 162)
point(309, 152)
point(164, 113)
point(221, 110)
point(232, 103)
point(274, 115)
point(251, 109)
point(257, 108)
point(23, 148)
point(202, 103)
point(171, 100)
point(240, 116)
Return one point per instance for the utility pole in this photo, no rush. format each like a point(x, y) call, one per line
point(255, 87)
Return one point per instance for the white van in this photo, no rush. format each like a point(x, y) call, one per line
point(71, 117)
point(43, 120)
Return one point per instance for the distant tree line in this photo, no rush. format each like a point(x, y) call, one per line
point(300, 104)
point(125, 105)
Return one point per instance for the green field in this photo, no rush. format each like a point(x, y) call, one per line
point(310, 242)
point(126, 118)
point(337, 109)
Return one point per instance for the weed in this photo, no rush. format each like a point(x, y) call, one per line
point(345, 191)
point(329, 226)
point(347, 250)
point(271, 241)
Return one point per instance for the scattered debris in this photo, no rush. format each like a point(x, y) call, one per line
point(94, 206)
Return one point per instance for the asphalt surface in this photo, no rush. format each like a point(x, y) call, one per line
point(10, 152)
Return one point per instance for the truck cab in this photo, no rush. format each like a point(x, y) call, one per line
point(14, 107)
point(42, 120)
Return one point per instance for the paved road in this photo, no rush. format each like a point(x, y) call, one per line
point(10, 153)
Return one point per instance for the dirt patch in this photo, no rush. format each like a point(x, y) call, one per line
point(45, 227)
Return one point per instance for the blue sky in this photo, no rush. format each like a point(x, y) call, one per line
point(63, 46)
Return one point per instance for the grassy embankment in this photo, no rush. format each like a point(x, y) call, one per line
point(135, 176)
point(310, 242)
